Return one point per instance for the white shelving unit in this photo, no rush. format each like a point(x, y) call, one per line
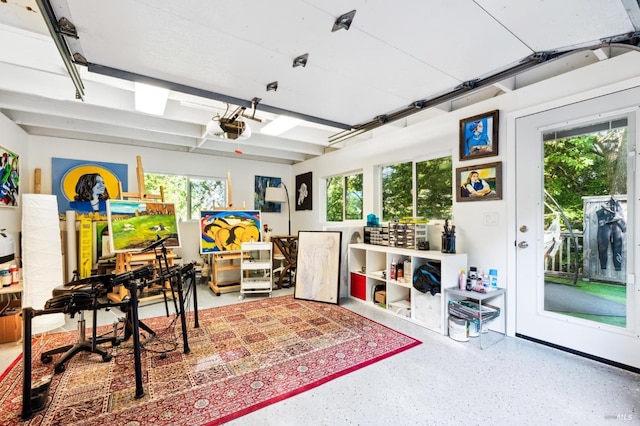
point(256, 268)
point(369, 267)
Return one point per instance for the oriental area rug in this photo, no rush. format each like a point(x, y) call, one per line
point(242, 357)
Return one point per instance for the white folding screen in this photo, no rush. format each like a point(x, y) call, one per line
point(42, 268)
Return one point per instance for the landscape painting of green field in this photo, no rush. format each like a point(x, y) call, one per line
point(135, 225)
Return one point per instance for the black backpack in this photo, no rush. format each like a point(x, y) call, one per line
point(427, 278)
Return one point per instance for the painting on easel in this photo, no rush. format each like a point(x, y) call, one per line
point(135, 225)
point(226, 230)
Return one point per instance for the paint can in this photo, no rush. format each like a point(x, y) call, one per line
point(15, 274)
point(5, 277)
point(458, 329)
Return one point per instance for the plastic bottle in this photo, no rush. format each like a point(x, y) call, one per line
point(493, 278)
point(400, 270)
point(462, 279)
point(407, 270)
point(392, 272)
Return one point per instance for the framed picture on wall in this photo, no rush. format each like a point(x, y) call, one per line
point(10, 172)
point(303, 191)
point(259, 203)
point(85, 186)
point(318, 266)
point(481, 182)
point(479, 136)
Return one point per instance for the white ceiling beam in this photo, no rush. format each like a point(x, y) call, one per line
point(23, 118)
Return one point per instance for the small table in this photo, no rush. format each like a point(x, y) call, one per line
point(288, 246)
point(480, 298)
point(12, 289)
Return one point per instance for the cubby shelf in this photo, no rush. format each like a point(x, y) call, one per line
point(367, 262)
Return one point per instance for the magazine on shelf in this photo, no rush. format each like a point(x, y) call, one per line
point(470, 310)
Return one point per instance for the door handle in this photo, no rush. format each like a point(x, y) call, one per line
point(523, 244)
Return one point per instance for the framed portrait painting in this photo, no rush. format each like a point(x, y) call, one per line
point(318, 266)
point(85, 186)
point(481, 182)
point(479, 136)
point(303, 191)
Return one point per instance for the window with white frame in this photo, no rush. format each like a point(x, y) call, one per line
point(189, 194)
point(344, 197)
point(430, 181)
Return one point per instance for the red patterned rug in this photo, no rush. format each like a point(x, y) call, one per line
point(243, 357)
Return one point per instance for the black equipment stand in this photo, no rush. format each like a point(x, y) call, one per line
point(33, 398)
point(135, 323)
point(76, 302)
point(175, 277)
point(130, 280)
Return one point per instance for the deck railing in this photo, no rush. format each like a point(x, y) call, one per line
point(567, 259)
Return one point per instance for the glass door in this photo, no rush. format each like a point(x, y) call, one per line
point(575, 256)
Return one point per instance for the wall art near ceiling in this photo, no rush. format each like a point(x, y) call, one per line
point(135, 225)
point(85, 186)
point(9, 178)
point(479, 136)
point(303, 191)
point(226, 230)
point(318, 266)
point(480, 182)
point(262, 182)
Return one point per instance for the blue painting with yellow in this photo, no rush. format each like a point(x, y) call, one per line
point(85, 186)
point(226, 230)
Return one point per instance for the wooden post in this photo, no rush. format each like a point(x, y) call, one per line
point(37, 181)
point(142, 193)
point(229, 200)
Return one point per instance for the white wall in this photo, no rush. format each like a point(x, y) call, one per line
point(487, 244)
point(14, 139)
point(485, 229)
point(243, 172)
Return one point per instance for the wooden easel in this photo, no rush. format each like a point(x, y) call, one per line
point(224, 261)
point(125, 260)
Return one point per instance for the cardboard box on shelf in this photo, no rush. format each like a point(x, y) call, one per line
point(11, 323)
point(381, 296)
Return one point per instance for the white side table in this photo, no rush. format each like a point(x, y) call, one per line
point(455, 293)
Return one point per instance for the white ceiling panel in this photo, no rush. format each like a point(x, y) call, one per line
point(216, 55)
point(546, 25)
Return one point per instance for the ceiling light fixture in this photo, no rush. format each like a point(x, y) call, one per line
point(301, 61)
point(272, 86)
point(280, 125)
point(150, 99)
point(229, 127)
point(343, 21)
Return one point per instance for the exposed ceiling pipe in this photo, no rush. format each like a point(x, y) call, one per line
point(57, 33)
point(628, 42)
point(129, 76)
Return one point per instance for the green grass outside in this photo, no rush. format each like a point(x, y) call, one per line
point(613, 292)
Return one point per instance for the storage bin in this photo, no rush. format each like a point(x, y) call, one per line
point(358, 286)
point(381, 297)
point(11, 323)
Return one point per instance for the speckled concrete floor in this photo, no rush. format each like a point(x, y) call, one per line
point(445, 382)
